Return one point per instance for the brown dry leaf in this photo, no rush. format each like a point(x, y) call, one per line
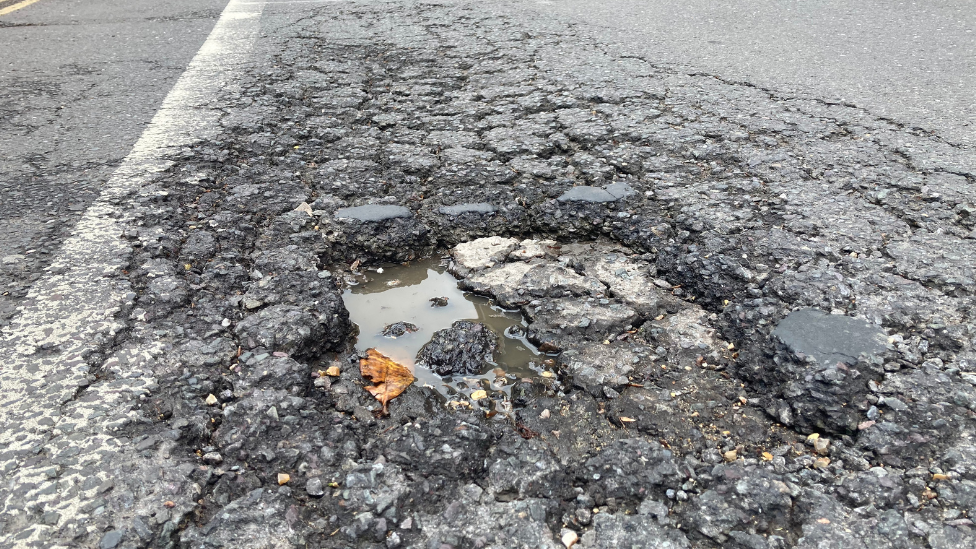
point(389, 378)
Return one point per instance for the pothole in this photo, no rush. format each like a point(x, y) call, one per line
point(424, 297)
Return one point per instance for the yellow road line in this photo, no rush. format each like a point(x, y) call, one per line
point(17, 6)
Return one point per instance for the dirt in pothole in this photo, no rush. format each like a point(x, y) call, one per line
point(424, 296)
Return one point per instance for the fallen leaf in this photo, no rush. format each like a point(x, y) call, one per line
point(332, 371)
point(283, 478)
point(524, 431)
point(389, 378)
point(479, 394)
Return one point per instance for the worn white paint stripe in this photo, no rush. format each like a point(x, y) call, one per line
point(276, 2)
point(72, 310)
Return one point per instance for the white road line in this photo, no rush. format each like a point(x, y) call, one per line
point(274, 2)
point(72, 310)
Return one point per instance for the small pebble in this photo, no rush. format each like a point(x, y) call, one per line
point(568, 537)
point(110, 540)
point(314, 487)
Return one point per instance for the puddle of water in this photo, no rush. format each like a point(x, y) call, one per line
point(402, 293)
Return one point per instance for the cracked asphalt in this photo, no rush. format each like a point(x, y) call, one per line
point(79, 83)
point(757, 304)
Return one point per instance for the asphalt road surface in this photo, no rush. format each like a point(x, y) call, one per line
point(79, 81)
point(740, 236)
point(911, 62)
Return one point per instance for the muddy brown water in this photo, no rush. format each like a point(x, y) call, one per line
point(402, 293)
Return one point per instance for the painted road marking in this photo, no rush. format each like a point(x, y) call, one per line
point(276, 2)
point(72, 312)
point(16, 7)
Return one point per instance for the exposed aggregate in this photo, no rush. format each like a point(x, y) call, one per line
point(661, 224)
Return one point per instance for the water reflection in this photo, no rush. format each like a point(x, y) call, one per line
point(403, 293)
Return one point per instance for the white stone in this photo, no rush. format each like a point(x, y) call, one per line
point(568, 537)
point(481, 253)
point(529, 249)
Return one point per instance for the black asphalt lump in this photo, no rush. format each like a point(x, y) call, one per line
point(753, 313)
